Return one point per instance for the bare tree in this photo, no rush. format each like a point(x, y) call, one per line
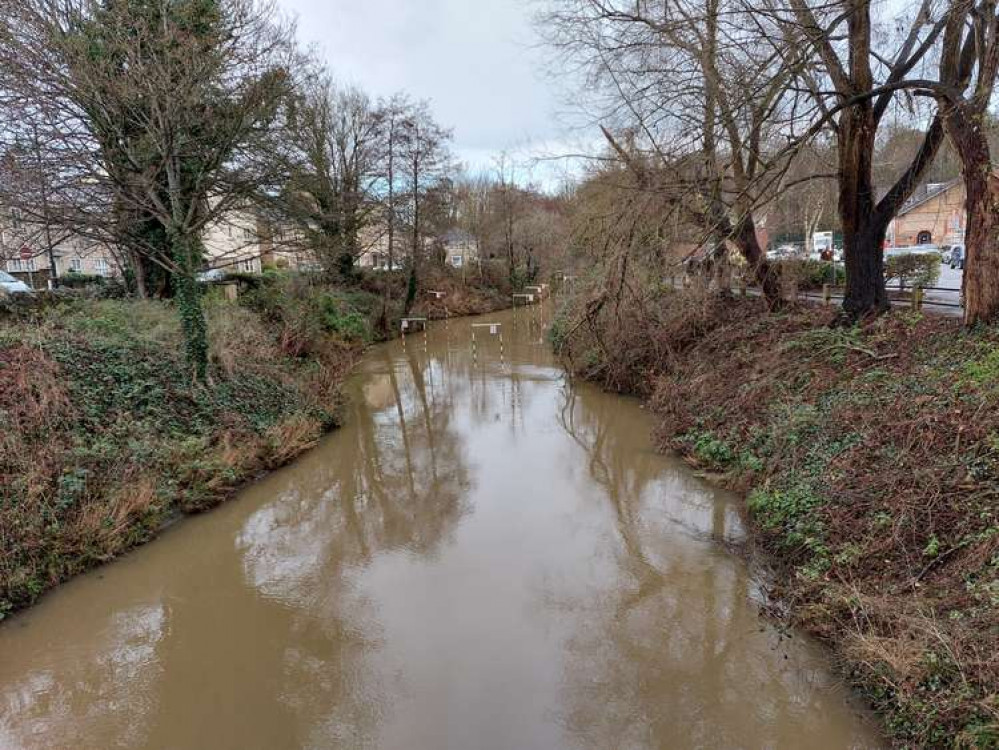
point(971, 43)
point(853, 69)
point(426, 161)
point(507, 205)
point(394, 112)
point(691, 103)
point(164, 109)
point(336, 142)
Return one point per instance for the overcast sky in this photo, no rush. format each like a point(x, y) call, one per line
point(476, 61)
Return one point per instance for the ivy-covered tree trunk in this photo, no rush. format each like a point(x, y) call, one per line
point(187, 257)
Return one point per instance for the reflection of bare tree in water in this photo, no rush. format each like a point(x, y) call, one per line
point(665, 650)
point(393, 479)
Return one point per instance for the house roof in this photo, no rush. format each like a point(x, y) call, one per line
point(927, 192)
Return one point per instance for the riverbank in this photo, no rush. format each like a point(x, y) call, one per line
point(104, 440)
point(870, 459)
point(480, 542)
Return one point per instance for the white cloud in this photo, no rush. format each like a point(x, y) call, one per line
point(476, 61)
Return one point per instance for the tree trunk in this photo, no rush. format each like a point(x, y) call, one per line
point(864, 229)
point(416, 264)
point(192, 315)
point(139, 272)
point(763, 272)
point(981, 241)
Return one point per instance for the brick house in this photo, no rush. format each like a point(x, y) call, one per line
point(934, 215)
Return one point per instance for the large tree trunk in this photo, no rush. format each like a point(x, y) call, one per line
point(763, 272)
point(864, 229)
point(981, 241)
point(186, 255)
point(139, 271)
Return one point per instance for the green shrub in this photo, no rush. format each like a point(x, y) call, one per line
point(791, 514)
point(913, 269)
point(74, 280)
point(812, 274)
point(340, 318)
point(709, 449)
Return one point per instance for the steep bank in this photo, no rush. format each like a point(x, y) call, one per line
point(871, 461)
point(103, 438)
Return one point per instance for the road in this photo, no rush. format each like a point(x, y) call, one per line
point(944, 299)
point(947, 296)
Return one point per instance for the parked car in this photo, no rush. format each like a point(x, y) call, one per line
point(212, 275)
point(782, 252)
point(13, 286)
point(956, 258)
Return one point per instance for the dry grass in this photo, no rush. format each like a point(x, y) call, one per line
point(239, 339)
point(102, 528)
point(103, 438)
point(291, 438)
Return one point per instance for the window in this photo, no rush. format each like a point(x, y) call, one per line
point(924, 238)
point(102, 267)
point(76, 265)
point(14, 264)
point(456, 261)
point(15, 218)
point(248, 265)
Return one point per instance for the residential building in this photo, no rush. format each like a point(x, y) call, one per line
point(935, 214)
point(284, 246)
point(461, 249)
point(374, 244)
point(24, 252)
point(233, 242)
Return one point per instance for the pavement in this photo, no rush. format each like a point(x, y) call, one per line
point(946, 296)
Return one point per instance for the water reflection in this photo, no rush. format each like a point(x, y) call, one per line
point(483, 557)
point(665, 649)
point(115, 681)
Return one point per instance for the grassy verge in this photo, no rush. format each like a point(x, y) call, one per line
point(870, 459)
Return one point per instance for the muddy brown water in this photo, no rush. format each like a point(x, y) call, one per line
point(485, 557)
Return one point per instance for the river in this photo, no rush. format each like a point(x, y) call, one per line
point(485, 557)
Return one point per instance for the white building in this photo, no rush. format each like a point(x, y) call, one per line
point(233, 242)
point(461, 249)
point(24, 252)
